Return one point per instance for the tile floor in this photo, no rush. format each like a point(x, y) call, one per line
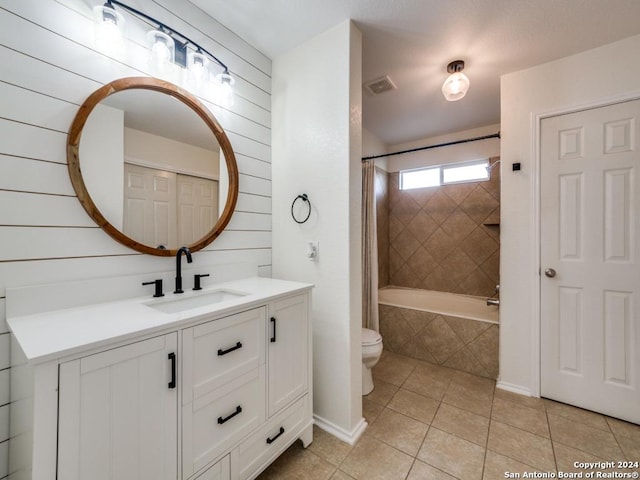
point(428, 422)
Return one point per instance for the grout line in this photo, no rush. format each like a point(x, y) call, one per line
point(515, 459)
point(411, 466)
point(520, 461)
point(432, 419)
point(615, 437)
point(499, 420)
point(573, 447)
point(578, 409)
point(522, 430)
point(533, 467)
point(544, 410)
point(386, 407)
point(486, 443)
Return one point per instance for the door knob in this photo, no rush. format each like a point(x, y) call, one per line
point(550, 272)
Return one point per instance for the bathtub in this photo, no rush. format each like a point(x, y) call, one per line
point(444, 303)
point(448, 329)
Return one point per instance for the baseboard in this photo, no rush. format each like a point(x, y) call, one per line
point(349, 437)
point(509, 387)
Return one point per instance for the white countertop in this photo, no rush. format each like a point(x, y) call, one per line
point(60, 333)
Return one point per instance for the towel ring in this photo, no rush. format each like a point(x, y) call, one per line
point(305, 198)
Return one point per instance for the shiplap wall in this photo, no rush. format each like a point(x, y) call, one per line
point(48, 67)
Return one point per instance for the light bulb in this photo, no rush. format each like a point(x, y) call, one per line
point(160, 53)
point(455, 86)
point(162, 50)
point(197, 69)
point(108, 29)
point(225, 89)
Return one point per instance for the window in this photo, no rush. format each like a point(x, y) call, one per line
point(445, 174)
point(424, 177)
point(466, 173)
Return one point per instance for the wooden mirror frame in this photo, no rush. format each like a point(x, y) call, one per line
point(75, 172)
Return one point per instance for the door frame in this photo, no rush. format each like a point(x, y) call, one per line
point(536, 295)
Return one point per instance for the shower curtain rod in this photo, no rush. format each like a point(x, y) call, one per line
point(428, 147)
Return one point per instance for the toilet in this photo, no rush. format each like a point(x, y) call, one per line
point(371, 351)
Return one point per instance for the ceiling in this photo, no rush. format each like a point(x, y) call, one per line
point(412, 41)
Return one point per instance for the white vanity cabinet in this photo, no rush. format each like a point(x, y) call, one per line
point(206, 395)
point(117, 413)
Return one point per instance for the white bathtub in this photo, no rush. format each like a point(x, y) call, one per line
point(452, 304)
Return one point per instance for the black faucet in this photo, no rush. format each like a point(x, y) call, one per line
point(186, 251)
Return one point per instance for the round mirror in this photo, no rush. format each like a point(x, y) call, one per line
point(152, 166)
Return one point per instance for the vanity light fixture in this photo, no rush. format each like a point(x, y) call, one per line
point(456, 85)
point(167, 46)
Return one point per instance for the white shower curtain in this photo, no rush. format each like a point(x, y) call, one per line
point(369, 248)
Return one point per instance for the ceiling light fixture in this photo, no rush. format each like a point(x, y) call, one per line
point(167, 46)
point(456, 85)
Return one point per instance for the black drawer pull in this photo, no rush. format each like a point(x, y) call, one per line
point(172, 357)
point(273, 320)
point(271, 440)
point(224, 420)
point(229, 350)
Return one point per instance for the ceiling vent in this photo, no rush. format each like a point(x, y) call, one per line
point(380, 85)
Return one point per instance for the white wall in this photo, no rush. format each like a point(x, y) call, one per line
point(372, 146)
point(163, 153)
point(317, 147)
point(451, 154)
point(600, 75)
point(49, 67)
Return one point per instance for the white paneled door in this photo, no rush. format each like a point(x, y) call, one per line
point(590, 277)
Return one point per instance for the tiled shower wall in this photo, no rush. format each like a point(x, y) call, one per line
point(443, 238)
point(382, 219)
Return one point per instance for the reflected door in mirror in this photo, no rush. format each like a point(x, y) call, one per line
point(197, 207)
point(164, 208)
point(150, 213)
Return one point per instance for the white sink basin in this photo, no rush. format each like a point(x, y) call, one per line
point(177, 303)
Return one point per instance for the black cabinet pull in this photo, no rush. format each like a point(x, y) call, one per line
point(172, 357)
point(226, 419)
point(273, 320)
point(271, 440)
point(229, 350)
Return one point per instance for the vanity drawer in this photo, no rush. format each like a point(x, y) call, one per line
point(213, 422)
point(272, 439)
point(219, 471)
point(219, 351)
